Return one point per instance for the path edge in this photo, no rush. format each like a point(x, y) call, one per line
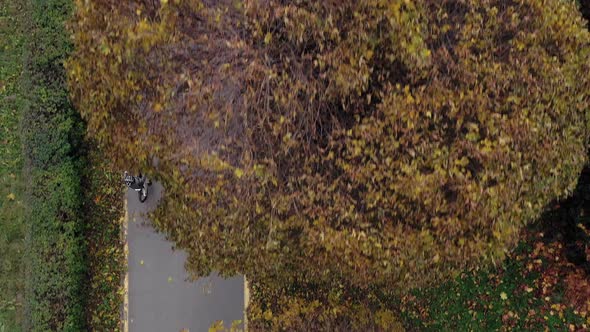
point(246, 302)
point(125, 309)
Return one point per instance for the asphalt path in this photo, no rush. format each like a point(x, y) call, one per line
point(159, 297)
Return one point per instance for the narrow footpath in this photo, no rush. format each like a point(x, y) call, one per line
point(159, 299)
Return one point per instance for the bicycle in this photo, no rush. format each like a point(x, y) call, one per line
point(138, 183)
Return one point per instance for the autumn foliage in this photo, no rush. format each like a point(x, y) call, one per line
point(321, 147)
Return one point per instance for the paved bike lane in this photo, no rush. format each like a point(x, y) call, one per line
point(159, 298)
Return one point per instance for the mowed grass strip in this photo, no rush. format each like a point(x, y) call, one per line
point(12, 223)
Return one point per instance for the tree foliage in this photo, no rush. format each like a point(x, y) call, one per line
point(371, 145)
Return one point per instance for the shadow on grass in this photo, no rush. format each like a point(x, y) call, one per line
point(569, 222)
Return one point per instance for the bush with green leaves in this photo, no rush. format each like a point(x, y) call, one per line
point(339, 153)
point(52, 137)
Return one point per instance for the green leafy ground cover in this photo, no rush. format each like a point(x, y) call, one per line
point(56, 294)
point(12, 228)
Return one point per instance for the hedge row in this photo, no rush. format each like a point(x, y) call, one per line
point(52, 135)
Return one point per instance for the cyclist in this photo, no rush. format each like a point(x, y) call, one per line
point(134, 182)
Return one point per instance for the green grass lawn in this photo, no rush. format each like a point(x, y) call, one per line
point(12, 227)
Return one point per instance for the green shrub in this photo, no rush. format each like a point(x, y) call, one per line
point(370, 145)
point(52, 143)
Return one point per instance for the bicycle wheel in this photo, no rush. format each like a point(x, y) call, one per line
point(142, 197)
